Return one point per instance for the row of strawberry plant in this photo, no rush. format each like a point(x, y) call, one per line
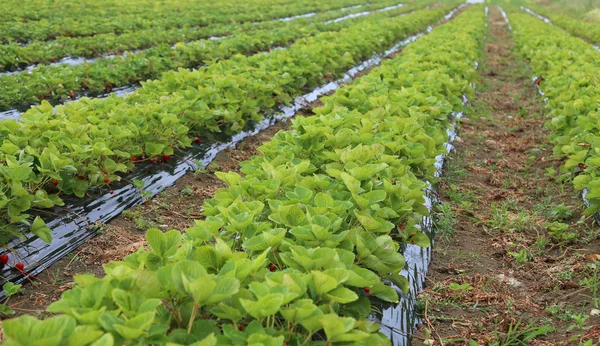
point(192, 13)
point(14, 56)
point(586, 30)
point(83, 144)
point(292, 252)
point(567, 70)
point(57, 83)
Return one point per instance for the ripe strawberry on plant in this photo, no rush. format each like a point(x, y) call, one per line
point(4, 259)
point(20, 266)
point(166, 157)
point(106, 180)
point(197, 140)
point(55, 182)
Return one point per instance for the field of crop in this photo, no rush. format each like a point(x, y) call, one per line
point(344, 172)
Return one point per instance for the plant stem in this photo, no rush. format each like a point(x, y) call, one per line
point(192, 318)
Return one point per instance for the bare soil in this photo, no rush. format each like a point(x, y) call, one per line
point(500, 275)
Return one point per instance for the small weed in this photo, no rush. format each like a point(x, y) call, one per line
point(565, 275)
point(561, 213)
point(592, 282)
point(540, 244)
point(444, 219)
point(518, 334)
point(520, 256)
point(456, 287)
point(560, 231)
point(550, 172)
point(187, 191)
point(569, 315)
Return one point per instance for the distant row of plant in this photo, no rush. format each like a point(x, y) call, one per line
point(567, 68)
point(147, 15)
point(292, 252)
point(14, 55)
point(587, 30)
point(58, 83)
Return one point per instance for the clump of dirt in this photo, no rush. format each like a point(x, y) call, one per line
point(516, 262)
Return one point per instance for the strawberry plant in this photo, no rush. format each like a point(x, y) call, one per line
point(56, 83)
point(293, 249)
point(96, 138)
point(59, 20)
point(14, 55)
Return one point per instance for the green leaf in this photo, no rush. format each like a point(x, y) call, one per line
point(342, 295)
point(38, 227)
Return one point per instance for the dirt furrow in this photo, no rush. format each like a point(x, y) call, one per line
point(515, 261)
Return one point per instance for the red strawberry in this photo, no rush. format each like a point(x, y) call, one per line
point(81, 177)
point(72, 95)
point(272, 268)
point(240, 328)
point(111, 192)
point(366, 289)
point(106, 180)
point(166, 157)
point(198, 140)
point(132, 159)
point(20, 266)
point(55, 182)
point(255, 52)
point(4, 259)
point(52, 59)
point(152, 160)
